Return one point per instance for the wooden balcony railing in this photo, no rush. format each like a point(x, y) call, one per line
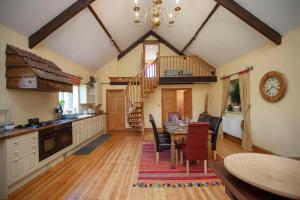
point(143, 84)
point(184, 66)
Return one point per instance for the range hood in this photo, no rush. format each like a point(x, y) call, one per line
point(28, 71)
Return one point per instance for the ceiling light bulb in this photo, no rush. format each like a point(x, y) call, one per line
point(177, 2)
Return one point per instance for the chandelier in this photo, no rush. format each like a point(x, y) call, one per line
point(156, 14)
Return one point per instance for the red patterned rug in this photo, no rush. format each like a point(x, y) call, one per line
point(163, 175)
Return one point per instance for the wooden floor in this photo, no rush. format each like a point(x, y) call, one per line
point(109, 172)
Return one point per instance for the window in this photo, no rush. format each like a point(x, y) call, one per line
point(234, 100)
point(70, 100)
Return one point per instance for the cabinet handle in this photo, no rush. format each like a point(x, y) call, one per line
point(33, 137)
point(33, 152)
point(16, 152)
point(34, 145)
point(16, 160)
point(16, 142)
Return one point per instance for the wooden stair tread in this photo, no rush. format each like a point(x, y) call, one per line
point(135, 125)
point(133, 117)
point(136, 122)
point(135, 113)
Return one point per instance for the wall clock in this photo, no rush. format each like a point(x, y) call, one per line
point(272, 86)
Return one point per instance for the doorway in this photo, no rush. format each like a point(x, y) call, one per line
point(151, 52)
point(177, 100)
point(115, 106)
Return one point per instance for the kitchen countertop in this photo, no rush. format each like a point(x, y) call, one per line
point(21, 131)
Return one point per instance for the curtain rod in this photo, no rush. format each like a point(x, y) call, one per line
point(241, 72)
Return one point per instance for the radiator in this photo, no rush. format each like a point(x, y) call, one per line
point(232, 124)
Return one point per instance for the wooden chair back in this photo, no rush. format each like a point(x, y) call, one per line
point(196, 141)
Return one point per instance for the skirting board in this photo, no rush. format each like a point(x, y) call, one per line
point(238, 141)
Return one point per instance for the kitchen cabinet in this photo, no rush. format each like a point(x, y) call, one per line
point(87, 94)
point(87, 128)
point(22, 156)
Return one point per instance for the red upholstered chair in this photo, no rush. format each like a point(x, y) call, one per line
point(195, 148)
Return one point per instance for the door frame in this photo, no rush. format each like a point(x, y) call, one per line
point(107, 121)
point(162, 89)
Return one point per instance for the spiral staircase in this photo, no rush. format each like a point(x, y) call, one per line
point(144, 84)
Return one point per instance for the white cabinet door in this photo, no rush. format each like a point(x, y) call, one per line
point(87, 95)
point(31, 161)
point(83, 94)
point(16, 169)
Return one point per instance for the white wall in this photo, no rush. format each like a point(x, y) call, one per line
point(275, 126)
point(29, 104)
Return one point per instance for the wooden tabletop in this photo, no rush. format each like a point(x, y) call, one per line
point(174, 128)
point(238, 189)
point(276, 174)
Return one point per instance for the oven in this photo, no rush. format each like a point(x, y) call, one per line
point(52, 140)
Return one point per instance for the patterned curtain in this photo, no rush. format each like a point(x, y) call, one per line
point(225, 88)
point(244, 79)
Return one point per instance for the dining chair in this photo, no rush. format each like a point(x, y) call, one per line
point(161, 143)
point(163, 134)
point(172, 116)
point(203, 117)
point(214, 125)
point(195, 148)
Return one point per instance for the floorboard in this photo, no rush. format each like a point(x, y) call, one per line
point(109, 172)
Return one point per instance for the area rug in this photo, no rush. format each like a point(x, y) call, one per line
point(151, 174)
point(87, 149)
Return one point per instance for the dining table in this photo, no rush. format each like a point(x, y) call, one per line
point(178, 132)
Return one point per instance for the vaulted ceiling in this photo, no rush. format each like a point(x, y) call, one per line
point(83, 40)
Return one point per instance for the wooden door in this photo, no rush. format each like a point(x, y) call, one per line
point(115, 103)
point(188, 104)
point(169, 103)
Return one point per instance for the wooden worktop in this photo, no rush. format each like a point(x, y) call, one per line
point(21, 131)
point(238, 189)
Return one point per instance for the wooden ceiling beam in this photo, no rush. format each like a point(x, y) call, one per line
point(104, 28)
point(201, 27)
point(251, 20)
point(58, 21)
point(133, 45)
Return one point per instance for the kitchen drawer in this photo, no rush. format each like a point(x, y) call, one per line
point(22, 150)
point(24, 140)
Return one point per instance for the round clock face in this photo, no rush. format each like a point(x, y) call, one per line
point(272, 86)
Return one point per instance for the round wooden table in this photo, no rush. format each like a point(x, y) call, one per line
point(275, 174)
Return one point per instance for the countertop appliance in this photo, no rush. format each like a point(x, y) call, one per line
point(54, 139)
point(35, 123)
